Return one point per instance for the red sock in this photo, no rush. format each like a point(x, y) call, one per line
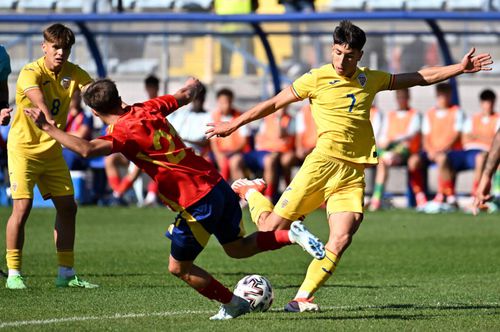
point(475, 184)
point(416, 181)
point(114, 182)
point(125, 185)
point(152, 187)
point(448, 188)
point(216, 291)
point(272, 240)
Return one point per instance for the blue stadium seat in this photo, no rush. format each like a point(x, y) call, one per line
point(36, 5)
point(424, 4)
point(385, 4)
point(337, 5)
point(466, 5)
point(153, 5)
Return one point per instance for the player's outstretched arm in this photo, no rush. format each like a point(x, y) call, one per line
point(223, 129)
point(491, 165)
point(86, 149)
point(187, 93)
point(470, 64)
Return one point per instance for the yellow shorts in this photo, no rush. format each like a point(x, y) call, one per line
point(321, 178)
point(50, 174)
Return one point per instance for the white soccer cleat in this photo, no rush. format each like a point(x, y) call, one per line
point(230, 311)
point(301, 305)
point(310, 243)
point(242, 186)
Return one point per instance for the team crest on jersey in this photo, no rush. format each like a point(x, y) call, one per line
point(65, 82)
point(362, 79)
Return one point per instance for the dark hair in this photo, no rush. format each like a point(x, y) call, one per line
point(201, 93)
point(442, 88)
point(225, 92)
point(350, 34)
point(102, 96)
point(60, 35)
point(152, 80)
point(487, 94)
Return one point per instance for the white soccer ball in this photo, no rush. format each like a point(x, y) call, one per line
point(257, 290)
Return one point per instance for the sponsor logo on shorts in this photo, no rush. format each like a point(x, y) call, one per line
point(13, 186)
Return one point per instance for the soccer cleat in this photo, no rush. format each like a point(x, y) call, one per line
point(242, 186)
point(15, 282)
point(74, 282)
point(432, 207)
point(301, 305)
point(310, 243)
point(230, 311)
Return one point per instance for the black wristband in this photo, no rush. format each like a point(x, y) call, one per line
point(4, 104)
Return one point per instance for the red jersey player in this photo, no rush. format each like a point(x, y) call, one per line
point(187, 183)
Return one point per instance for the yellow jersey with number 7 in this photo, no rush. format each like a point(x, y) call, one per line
point(340, 107)
point(24, 136)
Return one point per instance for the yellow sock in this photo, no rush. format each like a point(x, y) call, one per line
point(14, 259)
point(66, 258)
point(258, 204)
point(317, 273)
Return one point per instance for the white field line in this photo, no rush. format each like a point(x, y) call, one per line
point(188, 312)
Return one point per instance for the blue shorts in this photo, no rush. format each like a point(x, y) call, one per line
point(255, 160)
point(463, 160)
point(217, 213)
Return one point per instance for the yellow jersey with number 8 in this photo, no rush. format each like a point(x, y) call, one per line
point(340, 107)
point(24, 136)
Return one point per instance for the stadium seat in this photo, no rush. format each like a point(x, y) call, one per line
point(466, 5)
point(138, 66)
point(74, 5)
point(337, 5)
point(385, 4)
point(153, 5)
point(127, 4)
point(193, 5)
point(7, 4)
point(36, 5)
point(424, 4)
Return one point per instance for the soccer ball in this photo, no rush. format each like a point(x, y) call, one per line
point(257, 290)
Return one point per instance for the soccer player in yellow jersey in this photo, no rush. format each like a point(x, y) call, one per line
point(340, 94)
point(36, 158)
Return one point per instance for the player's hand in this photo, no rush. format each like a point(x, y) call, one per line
point(482, 195)
point(39, 118)
point(473, 63)
point(5, 116)
point(219, 129)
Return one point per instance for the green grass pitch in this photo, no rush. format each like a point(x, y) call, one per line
point(404, 271)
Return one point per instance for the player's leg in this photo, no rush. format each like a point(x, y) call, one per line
point(126, 182)
point(56, 183)
point(112, 164)
point(15, 241)
point(345, 213)
point(270, 163)
point(446, 179)
point(479, 160)
point(236, 166)
point(416, 178)
point(378, 190)
point(23, 174)
point(343, 226)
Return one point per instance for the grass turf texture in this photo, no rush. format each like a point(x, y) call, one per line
point(404, 271)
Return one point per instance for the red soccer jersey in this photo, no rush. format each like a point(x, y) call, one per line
point(146, 138)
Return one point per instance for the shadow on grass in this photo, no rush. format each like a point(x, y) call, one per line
point(352, 286)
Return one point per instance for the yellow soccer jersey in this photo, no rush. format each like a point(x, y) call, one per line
point(24, 136)
point(340, 107)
